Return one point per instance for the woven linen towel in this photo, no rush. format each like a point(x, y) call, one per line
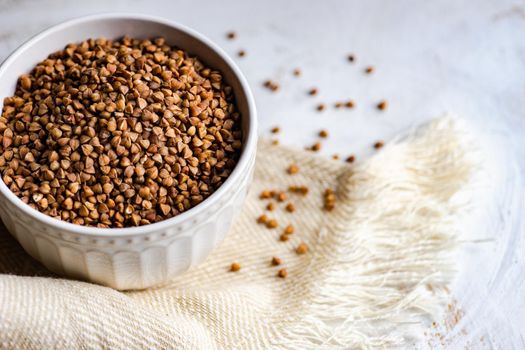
point(377, 267)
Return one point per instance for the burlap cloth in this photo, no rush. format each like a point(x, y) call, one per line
point(375, 272)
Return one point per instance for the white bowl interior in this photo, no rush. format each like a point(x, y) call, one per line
point(114, 26)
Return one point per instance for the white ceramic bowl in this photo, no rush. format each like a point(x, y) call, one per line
point(136, 257)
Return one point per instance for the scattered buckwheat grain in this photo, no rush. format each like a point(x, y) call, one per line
point(263, 219)
point(235, 267)
point(379, 144)
point(272, 223)
point(382, 105)
point(284, 237)
point(276, 261)
point(293, 169)
point(302, 248)
point(266, 194)
point(289, 229)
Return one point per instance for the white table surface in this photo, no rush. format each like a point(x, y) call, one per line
point(430, 57)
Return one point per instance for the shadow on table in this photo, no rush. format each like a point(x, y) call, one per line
point(15, 261)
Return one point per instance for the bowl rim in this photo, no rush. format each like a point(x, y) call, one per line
point(248, 151)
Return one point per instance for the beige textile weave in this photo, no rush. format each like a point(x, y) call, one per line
point(376, 269)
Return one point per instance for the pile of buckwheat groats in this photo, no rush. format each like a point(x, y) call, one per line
point(118, 133)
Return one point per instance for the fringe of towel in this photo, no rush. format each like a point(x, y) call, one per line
point(387, 262)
